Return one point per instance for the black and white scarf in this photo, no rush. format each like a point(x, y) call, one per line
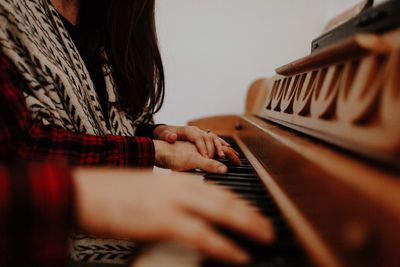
point(60, 92)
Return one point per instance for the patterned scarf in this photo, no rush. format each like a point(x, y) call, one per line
point(59, 89)
point(60, 92)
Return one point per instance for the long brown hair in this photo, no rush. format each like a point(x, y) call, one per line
point(126, 29)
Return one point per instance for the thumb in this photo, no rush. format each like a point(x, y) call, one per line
point(169, 136)
point(210, 165)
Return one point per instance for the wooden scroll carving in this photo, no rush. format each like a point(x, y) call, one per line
point(353, 102)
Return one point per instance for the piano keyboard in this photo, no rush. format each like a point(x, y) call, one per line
point(244, 181)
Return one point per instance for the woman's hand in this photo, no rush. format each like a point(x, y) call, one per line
point(184, 156)
point(207, 143)
point(144, 206)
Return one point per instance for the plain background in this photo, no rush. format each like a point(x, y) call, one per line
point(214, 49)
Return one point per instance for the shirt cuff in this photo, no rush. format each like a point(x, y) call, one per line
point(140, 152)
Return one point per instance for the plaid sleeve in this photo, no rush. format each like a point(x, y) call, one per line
point(29, 139)
point(36, 214)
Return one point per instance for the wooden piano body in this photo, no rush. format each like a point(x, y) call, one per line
point(324, 137)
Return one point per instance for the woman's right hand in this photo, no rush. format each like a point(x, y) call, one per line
point(184, 156)
point(144, 206)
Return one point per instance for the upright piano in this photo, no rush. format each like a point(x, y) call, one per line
point(320, 148)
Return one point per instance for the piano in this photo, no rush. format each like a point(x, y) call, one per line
point(320, 149)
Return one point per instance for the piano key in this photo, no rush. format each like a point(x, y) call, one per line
point(255, 197)
point(240, 169)
point(228, 174)
point(254, 184)
point(244, 189)
point(227, 161)
point(269, 211)
point(280, 261)
point(244, 179)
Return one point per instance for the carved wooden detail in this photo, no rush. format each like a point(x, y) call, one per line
point(353, 102)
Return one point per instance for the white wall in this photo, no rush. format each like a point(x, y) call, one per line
point(213, 49)
point(336, 6)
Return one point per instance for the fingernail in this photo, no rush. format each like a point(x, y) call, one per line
point(241, 257)
point(222, 169)
point(267, 236)
point(267, 233)
point(234, 253)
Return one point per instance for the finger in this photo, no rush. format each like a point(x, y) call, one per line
point(209, 140)
point(218, 146)
point(224, 142)
point(232, 155)
point(171, 137)
point(234, 151)
point(197, 136)
point(196, 233)
point(193, 134)
point(168, 136)
point(201, 145)
point(210, 165)
point(188, 133)
point(225, 208)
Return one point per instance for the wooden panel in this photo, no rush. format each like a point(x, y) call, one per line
point(256, 96)
point(221, 125)
point(354, 103)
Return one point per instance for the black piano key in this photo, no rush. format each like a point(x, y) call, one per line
point(240, 169)
point(284, 233)
point(244, 179)
point(244, 161)
point(254, 184)
point(250, 176)
point(243, 165)
point(258, 198)
point(268, 211)
point(244, 189)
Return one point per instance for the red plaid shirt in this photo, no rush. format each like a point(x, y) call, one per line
point(36, 213)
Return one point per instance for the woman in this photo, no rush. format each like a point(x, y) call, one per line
point(97, 83)
point(41, 203)
point(83, 79)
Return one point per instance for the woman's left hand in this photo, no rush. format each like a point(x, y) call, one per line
point(207, 143)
